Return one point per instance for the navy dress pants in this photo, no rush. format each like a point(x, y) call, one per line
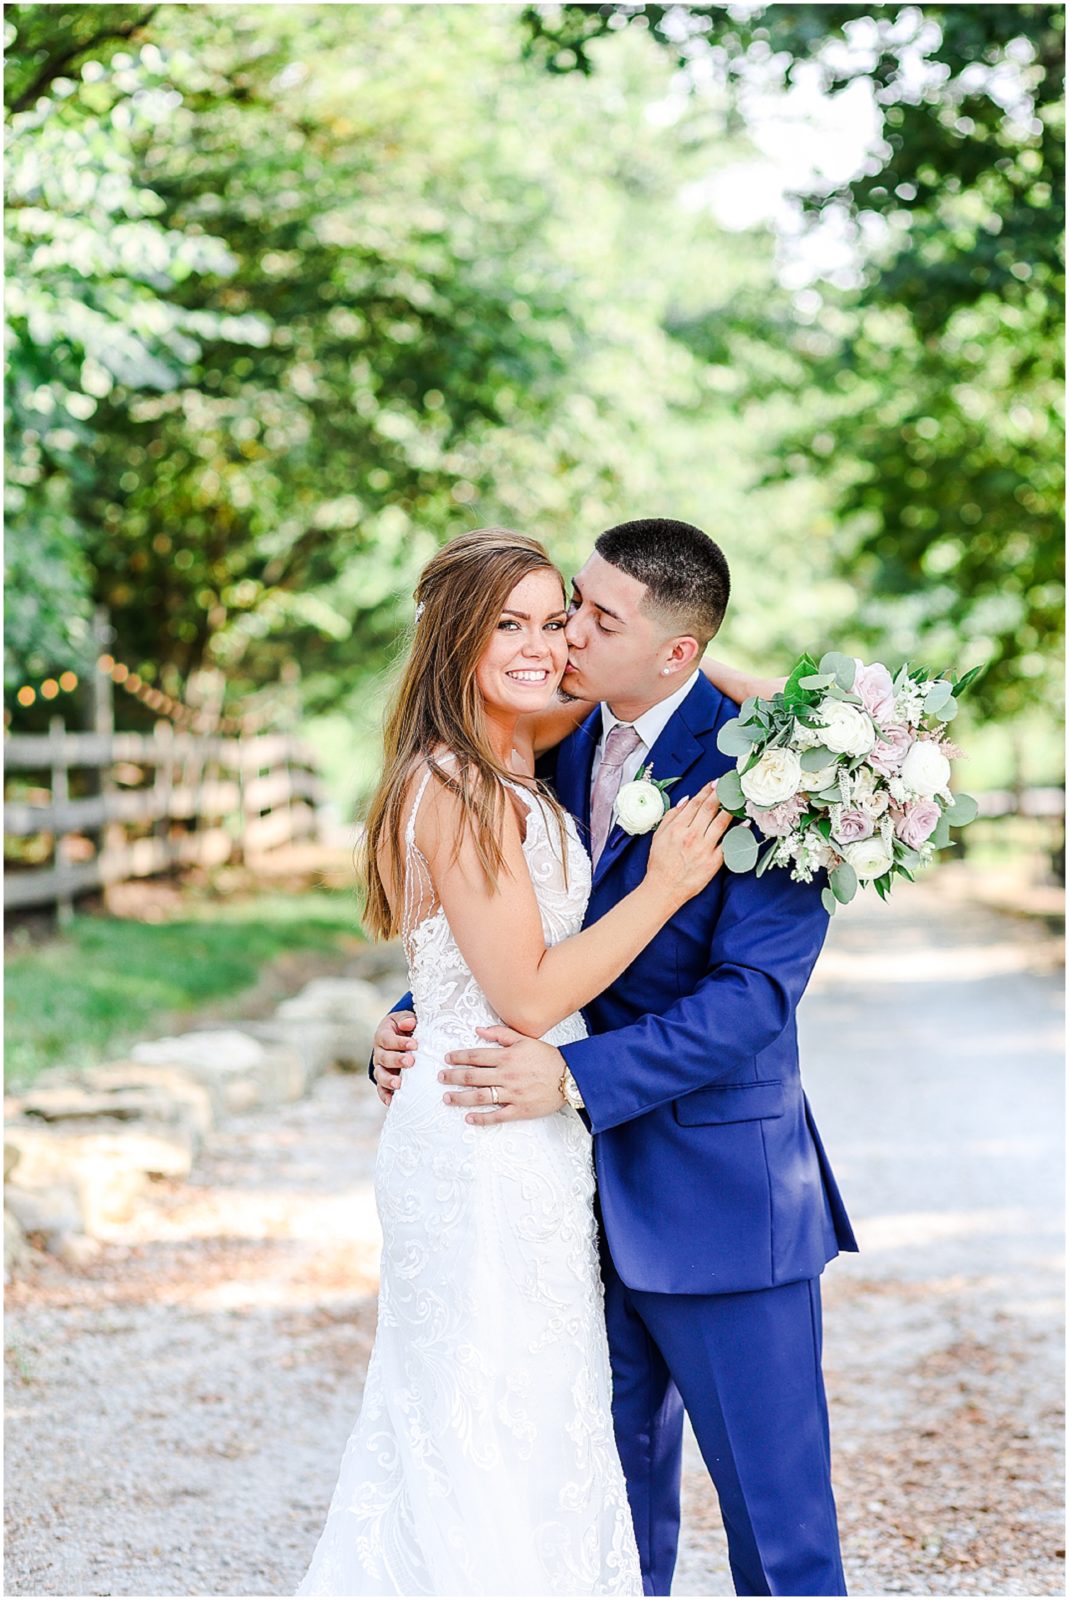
point(746, 1367)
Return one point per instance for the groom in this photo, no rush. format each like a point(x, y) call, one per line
point(718, 1205)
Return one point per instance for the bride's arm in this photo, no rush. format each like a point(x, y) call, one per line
point(530, 985)
point(739, 685)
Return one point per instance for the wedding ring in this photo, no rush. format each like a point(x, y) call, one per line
point(493, 1094)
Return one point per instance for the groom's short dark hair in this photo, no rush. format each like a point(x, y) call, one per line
point(685, 572)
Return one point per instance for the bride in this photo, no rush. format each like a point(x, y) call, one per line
point(483, 1460)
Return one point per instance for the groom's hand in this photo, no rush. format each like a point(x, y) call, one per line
point(393, 1050)
point(525, 1072)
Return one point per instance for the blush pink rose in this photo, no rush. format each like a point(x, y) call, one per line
point(916, 823)
point(777, 821)
point(877, 691)
point(851, 826)
point(889, 752)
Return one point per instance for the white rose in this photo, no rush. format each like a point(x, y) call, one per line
point(813, 782)
point(775, 778)
point(847, 729)
point(925, 770)
point(870, 858)
point(639, 806)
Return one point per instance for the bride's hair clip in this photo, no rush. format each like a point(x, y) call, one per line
point(420, 609)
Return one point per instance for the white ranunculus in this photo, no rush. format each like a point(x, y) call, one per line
point(639, 806)
point(870, 858)
point(925, 769)
point(848, 730)
point(776, 776)
point(813, 782)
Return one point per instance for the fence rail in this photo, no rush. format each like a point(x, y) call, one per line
point(209, 800)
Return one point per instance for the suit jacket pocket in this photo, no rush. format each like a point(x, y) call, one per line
point(731, 1102)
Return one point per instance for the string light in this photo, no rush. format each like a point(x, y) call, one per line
point(157, 700)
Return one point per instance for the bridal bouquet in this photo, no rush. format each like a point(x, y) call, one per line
point(846, 769)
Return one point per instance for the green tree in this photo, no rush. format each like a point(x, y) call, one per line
point(931, 396)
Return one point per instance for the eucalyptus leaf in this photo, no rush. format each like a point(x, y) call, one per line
point(813, 760)
point(940, 837)
point(820, 681)
point(729, 791)
point(949, 710)
point(843, 881)
point(842, 668)
point(740, 849)
point(962, 812)
point(735, 740)
point(937, 696)
point(828, 901)
point(766, 860)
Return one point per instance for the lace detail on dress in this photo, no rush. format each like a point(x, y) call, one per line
point(483, 1461)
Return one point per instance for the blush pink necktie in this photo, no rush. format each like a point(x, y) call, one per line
point(622, 742)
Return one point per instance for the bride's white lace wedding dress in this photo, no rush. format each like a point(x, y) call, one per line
point(483, 1460)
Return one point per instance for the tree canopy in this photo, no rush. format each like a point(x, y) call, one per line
point(297, 292)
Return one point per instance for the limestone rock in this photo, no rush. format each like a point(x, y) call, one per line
point(16, 1247)
point(104, 1167)
point(124, 1103)
point(354, 1006)
point(316, 1043)
point(76, 1249)
point(50, 1211)
point(161, 1082)
point(238, 1071)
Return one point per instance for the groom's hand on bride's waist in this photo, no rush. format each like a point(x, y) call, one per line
point(526, 1073)
point(393, 1050)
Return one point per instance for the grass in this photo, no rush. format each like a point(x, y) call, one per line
point(106, 981)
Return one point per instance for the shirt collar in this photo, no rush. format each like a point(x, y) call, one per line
point(652, 723)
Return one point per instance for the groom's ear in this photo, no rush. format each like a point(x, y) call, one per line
point(685, 652)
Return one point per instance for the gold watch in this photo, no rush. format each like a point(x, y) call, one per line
point(569, 1091)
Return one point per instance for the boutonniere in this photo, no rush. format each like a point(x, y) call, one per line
point(640, 805)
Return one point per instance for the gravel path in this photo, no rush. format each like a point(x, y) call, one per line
point(175, 1412)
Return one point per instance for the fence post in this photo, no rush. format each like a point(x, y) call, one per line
point(60, 795)
point(163, 734)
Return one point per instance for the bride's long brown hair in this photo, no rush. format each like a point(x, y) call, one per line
point(459, 597)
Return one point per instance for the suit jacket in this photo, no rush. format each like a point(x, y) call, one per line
point(711, 1174)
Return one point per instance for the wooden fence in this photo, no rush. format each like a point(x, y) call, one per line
point(160, 800)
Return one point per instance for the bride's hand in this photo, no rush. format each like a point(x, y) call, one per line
point(685, 854)
point(738, 685)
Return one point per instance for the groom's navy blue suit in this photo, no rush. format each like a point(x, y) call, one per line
point(719, 1208)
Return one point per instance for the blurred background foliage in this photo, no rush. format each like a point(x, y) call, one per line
point(297, 292)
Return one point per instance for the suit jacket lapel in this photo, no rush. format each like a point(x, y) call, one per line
point(672, 756)
point(575, 763)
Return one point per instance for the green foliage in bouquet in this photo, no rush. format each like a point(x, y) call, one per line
point(846, 794)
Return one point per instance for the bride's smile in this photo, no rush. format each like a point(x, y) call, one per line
point(525, 659)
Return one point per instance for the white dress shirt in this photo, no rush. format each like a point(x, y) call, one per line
point(649, 727)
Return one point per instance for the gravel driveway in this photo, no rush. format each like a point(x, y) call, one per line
point(175, 1412)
